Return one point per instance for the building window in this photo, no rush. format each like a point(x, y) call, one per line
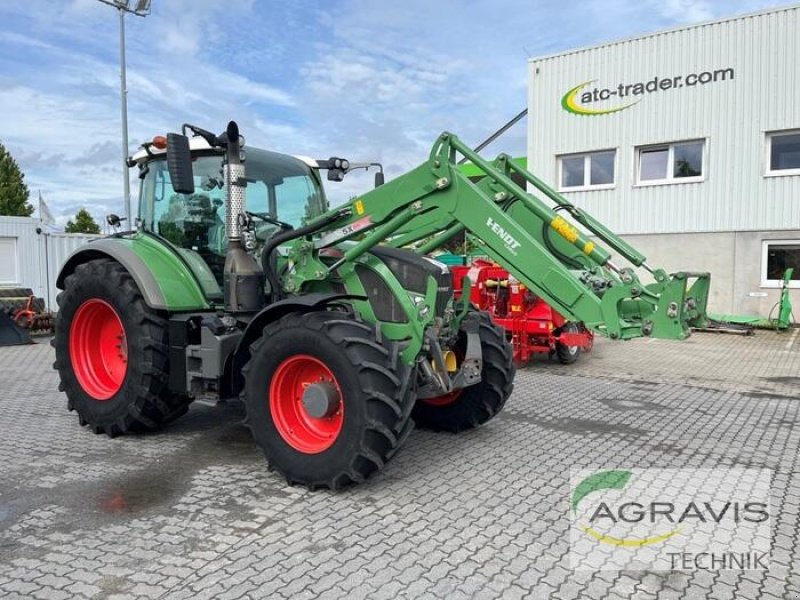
point(588, 171)
point(783, 152)
point(679, 162)
point(777, 256)
point(9, 274)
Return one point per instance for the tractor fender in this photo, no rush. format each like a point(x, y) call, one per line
point(273, 312)
point(109, 248)
point(179, 291)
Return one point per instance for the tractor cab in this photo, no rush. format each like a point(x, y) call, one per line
point(282, 192)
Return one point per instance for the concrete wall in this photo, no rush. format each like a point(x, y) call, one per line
point(733, 258)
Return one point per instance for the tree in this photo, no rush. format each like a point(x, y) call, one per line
point(84, 223)
point(13, 191)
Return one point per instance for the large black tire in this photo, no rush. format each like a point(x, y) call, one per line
point(143, 401)
point(568, 354)
point(376, 397)
point(476, 404)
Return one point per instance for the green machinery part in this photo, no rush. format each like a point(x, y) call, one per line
point(539, 244)
point(169, 278)
point(784, 318)
point(785, 303)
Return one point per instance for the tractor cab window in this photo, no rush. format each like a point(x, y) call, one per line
point(278, 186)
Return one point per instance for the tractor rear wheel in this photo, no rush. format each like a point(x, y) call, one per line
point(328, 401)
point(476, 404)
point(111, 352)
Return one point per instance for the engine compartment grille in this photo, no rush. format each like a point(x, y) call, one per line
point(413, 272)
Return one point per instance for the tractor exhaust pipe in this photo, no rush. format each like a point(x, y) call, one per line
point(235, 183)
point(243, 277)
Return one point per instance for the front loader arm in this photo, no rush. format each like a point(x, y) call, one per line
point(537, 244)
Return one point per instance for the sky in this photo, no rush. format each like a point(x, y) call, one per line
point(367, 80)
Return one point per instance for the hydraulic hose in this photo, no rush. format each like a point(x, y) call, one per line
point(281, 238)
point(567, 260)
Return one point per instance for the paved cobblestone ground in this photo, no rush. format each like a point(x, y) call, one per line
point(191, 512)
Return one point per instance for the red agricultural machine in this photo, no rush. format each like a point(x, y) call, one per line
point(531, 324)
point(22, 314)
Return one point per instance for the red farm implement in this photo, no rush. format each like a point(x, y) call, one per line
point(531, 324)
point(21, 314)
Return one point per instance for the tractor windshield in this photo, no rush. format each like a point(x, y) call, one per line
point(279, 186)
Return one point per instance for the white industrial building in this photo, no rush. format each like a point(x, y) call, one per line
point(31, 256)
point(687, 142)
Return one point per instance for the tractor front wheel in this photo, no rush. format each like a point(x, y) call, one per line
point(327, 400)
point(474, 405)
point(111, 352)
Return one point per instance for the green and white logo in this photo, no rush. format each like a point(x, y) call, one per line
point(611, 480)
point(574, 102)
point(668, 519)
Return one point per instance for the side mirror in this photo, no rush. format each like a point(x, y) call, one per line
point(179, 163)
point(379, 181)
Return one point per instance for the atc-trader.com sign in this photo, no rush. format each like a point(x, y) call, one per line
point(579, 100)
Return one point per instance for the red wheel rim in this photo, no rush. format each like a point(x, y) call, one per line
point(98, 349)
point(445, 399)
point(303, 432)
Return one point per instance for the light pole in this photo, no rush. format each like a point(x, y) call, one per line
point(141, 9)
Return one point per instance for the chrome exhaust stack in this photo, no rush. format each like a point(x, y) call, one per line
point(243, 276)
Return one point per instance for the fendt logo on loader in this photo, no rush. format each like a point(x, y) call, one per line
point(511, 243)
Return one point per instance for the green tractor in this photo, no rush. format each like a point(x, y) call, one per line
point(332, 324)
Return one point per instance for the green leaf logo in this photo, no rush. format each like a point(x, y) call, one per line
point(604, 480)
point(569, 102)
point(611, 480)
